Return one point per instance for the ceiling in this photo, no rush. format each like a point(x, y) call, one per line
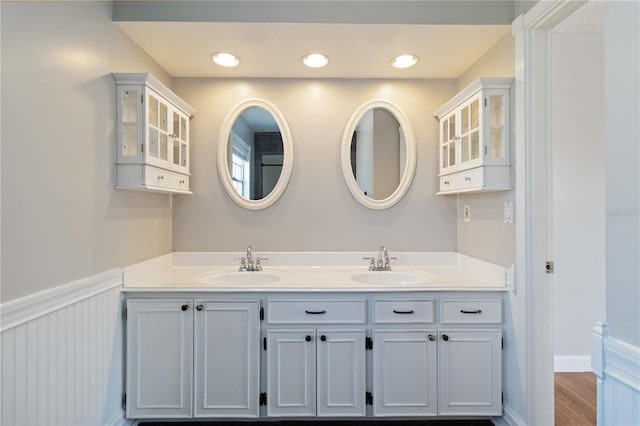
point(275, 50)
point(359, 36)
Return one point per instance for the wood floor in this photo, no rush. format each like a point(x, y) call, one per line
point(575, 399)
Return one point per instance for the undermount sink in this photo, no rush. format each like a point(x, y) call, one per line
point(389, 278)
point(237, 278)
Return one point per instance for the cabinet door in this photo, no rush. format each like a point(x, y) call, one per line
point(159, 359)
point(291, 373)
point(404, 373)
point(470, 372)
point(448, 143)
point(341, 373)
point(158, 129)
point(471, 144)
point(226, 359)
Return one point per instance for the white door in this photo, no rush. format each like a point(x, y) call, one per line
point(159, 358)
point(470, 372)
point(405, 373)
point(341, 373)
point(291, 373)
point(226, 359)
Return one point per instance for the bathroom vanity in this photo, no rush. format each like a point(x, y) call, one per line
point(300, 341)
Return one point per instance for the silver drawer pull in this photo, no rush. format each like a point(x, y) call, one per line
point(446, 182)
point(315, 312)
point(478, 311)
point(395, 311)
point(160, 177)
point(467, 179)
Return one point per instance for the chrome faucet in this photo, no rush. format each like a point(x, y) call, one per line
point(383, 263)
point(247, 263)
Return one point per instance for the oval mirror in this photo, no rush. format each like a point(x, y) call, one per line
point(255, 154)
point(378, 154)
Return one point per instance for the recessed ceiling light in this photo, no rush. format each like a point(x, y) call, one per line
point(404, 61)
point(315, 60)
point(227, 60)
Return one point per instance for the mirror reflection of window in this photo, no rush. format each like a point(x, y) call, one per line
point(256, 155)
point(378, 154)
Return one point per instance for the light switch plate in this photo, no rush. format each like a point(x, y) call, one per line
point(466, 213)
point(508, 212)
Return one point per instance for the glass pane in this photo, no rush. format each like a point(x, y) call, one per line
point(445, 130)
point(452, 154)
point(163, 117)
point(465, 120)
point(164, 140)
point(465, 148)
point(445, 157)
point(153, 111)
point(475, 107)
point(130, 143)
point(497, 150)
point(475, 145)
point(153, 142)
point(497, 113)
point(176, 151)
point(183, 154)
point(176, 126)
point(130, 106)
point(452, 127)
point(183, 128)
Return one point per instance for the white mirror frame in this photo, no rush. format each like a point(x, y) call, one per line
point(345, 156)
point(223, 150)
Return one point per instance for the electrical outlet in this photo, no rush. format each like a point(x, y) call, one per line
point(467, 213)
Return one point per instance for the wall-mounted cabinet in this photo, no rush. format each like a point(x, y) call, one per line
point(475, 138)
point(152, 135)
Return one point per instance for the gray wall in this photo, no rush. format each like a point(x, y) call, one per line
point(486, 236)
point(577, 134)
point(316, 211)
point(61, 218)
point(622, 168)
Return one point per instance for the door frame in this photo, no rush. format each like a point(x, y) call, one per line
point(533, 199)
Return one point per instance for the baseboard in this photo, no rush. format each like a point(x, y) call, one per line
point(571, 363)
point(120, 420)
point(509, 418)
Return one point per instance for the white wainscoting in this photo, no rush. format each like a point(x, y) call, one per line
point(62, 360)
point(617, 367)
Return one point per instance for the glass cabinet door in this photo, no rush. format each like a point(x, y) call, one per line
point(470, 131)
point(158, 132)
point(496, 108)
point(448, 137)
point(129, 123)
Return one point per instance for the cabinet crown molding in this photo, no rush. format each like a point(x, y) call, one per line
point(146, 78)
point(471, 89)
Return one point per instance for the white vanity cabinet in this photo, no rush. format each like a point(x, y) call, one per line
point(316, 363)
point(152, 135)
point(470, 357)
point(404, 355)
point(159, 359)
point(179, 348)
point(227, 359)
point(474, 138)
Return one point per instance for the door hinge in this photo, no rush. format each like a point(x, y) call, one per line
point(503, 397)
point(126, 313)
point(264, 343)
point(261, 313)
point(368, 343)
point(502, 343)
point(549, 267)
point(263, 398)
point(142, 147)
point(485, 101)
point(486, 150)
point(141, 99)
point(124, 400)
point(369, 398)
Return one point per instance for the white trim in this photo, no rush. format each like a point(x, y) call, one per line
point(571, 363)
point(470, 90)
point(622, 362)
point(509, 418)
point(20, 311)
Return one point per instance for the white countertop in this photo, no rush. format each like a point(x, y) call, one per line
point(286, 272)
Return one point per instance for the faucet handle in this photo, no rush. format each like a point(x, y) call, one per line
point(372, 262)
point(243, 263)
point(259, 260)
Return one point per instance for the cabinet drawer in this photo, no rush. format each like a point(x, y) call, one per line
point(448, 182)
point(180, 182)
point(316, 311)
point(467, 311)
point(472, 178)
point(403, 311)
point(154, 176)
